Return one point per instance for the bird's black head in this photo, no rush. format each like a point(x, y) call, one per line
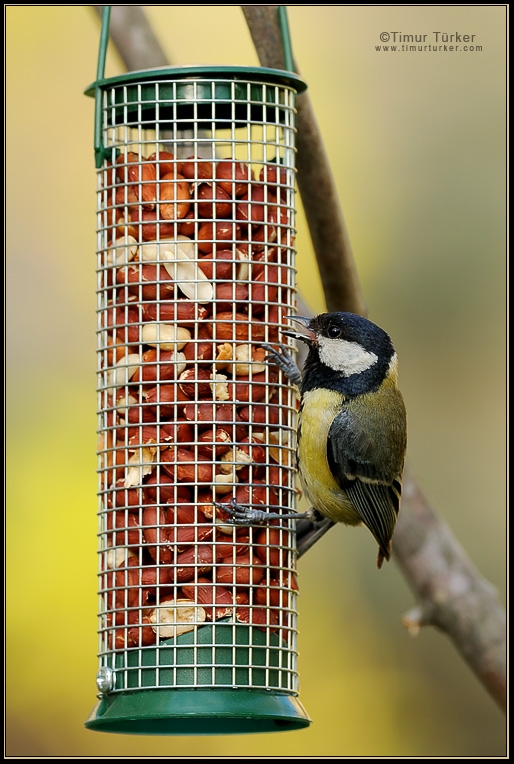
point(346, 352)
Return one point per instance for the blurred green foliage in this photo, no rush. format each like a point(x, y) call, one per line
point(417, 146)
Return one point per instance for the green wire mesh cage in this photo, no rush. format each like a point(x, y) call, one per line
point(195, 275)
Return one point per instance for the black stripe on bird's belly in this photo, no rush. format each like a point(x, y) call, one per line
point(318, 409)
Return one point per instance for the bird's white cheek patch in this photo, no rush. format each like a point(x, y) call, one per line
point(346, 357)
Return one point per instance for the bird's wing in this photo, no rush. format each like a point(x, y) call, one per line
point(374, 494)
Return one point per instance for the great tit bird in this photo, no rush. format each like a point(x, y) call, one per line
point(352, 430)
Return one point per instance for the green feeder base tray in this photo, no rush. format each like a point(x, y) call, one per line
point(151, 701)
point(201, 711)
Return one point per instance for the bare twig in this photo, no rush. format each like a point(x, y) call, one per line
point(315, 181)
point(451, 593)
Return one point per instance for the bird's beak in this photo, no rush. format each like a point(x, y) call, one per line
point(305, 334)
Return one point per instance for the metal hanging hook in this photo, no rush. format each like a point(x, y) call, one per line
point(286, 38)
point(100, 151)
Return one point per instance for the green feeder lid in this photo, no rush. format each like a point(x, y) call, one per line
point(209, 74)
point(198, 96)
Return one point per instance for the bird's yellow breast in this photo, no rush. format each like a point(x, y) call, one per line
point(319, 407)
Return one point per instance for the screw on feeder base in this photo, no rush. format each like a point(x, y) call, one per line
point(105, 680)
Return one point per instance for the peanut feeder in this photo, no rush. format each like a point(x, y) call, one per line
point(196, 272)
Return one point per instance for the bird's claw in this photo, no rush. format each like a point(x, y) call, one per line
point(241, 514)
point(283, 359)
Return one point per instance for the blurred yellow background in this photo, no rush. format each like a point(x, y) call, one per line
point(417, 146)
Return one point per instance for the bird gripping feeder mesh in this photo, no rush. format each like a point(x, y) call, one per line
point(195, 276)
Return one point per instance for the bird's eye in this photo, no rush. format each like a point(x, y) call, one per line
point(334, 331)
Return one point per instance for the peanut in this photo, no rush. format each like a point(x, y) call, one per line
point(195, 383)
point(196, 169)
point(242, 570)
point(235, 327)
point(217, 601)
point(181, 464)
point(192, 562)
point(174, 198)
point(150, 281)
point(174, 617)
point(182, 311)
point(156, 535)
point(142, 174)
point(233, 177)
point(164, 162)
point(163, 335)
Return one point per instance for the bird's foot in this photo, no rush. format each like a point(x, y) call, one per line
point(242, 514)
point(283, 359)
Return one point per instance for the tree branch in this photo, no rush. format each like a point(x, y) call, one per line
point(451, 593)
point(317, 189)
